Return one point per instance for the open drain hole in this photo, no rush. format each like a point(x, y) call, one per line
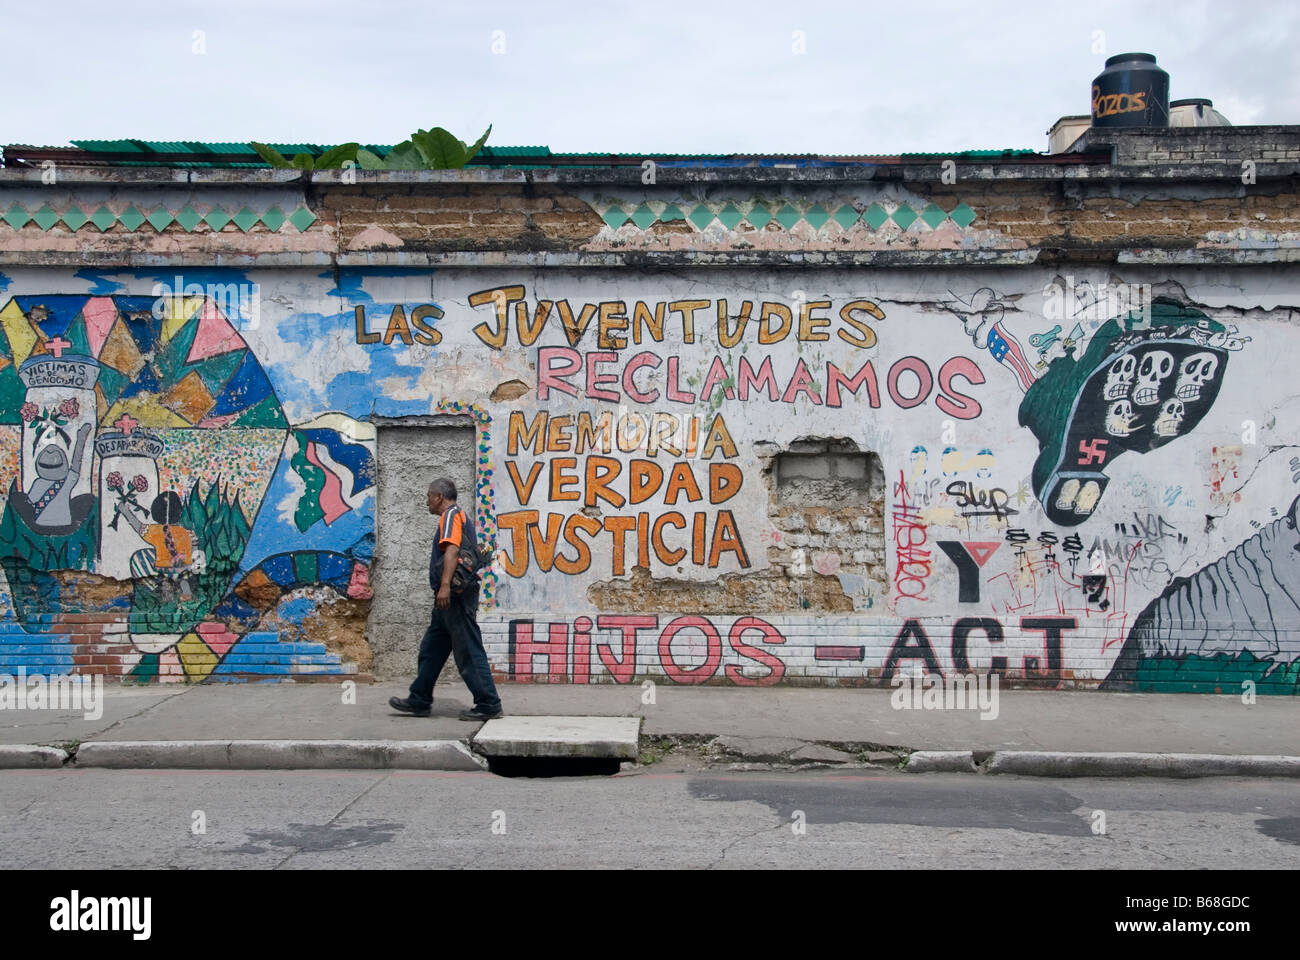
point(553, 766)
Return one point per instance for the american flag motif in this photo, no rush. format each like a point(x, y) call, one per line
point(1006, 349)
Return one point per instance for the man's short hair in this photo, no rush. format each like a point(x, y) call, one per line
point(443, 488)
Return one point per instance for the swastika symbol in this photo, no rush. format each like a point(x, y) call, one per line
point(1092, 450)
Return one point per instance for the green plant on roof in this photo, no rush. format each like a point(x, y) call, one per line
point(331, 159)
point(435, 149)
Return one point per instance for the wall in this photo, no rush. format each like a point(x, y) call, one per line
point(1060, 487)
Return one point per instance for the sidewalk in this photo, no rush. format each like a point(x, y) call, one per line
point(1028, 720)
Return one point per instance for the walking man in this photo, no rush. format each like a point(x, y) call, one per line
point(452, 628)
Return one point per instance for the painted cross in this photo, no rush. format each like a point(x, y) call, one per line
point(126, 424)
point(57, 346)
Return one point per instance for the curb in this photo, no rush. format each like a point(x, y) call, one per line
point(26, 757)
point(1051, 764)
point(456, 755)
point(941, 761)
point(280, 755)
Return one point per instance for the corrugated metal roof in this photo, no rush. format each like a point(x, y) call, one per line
point(502, 155)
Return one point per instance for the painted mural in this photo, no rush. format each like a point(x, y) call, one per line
point(709, 480)
point(142, 437)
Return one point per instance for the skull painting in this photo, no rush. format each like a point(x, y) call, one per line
point(1195, 372)
point(1120, 421)
point(1170, 418)
point(1155, 367)
point(1120, 377)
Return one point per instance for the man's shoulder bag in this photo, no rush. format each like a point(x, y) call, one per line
point(472, 558)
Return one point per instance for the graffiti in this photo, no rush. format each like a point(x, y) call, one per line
point(1229, 622)
point(981, 316)
point(1094, 585)
point(399, 327)
point(615, 483)
point(975, 502)
point(751, 651)
point(567, 649)
point(148, 437)
point(1042, 582)
point(646, 320)
point(912, 565)
point(1105, 105)
point(1072, 298)
point(1050, 345)
point(968, 558)
point(1072, 544)
point(913, 644)
point(1225, 465)
point(1141, 547)
point(1133, 390)
point(954, 461)
point(187, 497)
point(909, 383)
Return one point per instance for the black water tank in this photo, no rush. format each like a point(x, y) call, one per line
point(1131, 92)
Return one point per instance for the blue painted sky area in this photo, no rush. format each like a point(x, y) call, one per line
point(101, 284)
point(349, 281)
point(353, 392)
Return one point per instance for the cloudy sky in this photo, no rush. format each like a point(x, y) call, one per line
point(655, 76)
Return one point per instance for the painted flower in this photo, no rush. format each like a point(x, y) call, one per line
point(70, 408)
point(114, 481)
point(139, 483)
point(28, 411)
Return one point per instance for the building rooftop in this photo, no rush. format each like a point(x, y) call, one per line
point(194, 153)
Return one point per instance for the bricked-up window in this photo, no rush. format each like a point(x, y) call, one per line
point(828, 473)
point(828, 499)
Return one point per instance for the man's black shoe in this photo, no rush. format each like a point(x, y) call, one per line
point(405, 706)
point(479, 715)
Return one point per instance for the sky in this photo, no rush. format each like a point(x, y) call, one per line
point(660, 76)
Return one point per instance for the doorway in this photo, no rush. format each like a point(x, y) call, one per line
point(412, 451)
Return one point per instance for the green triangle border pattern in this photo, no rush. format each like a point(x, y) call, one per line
point(785, 214)
point(99, 217)
point(782, 212)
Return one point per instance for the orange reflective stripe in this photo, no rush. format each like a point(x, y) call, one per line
point(453, 525)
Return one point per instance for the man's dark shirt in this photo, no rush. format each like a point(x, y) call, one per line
point(454, 528)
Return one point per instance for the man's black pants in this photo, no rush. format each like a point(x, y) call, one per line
point(455, 631)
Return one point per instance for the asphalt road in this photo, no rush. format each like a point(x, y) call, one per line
point(643, 819)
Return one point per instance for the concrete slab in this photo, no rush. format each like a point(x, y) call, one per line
point(595, 737)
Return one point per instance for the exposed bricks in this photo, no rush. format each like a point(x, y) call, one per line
point(531, 204)
point(500, 220)
point(569, 203)
point(566, 226)
point(340, 200)
point(440, 219)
